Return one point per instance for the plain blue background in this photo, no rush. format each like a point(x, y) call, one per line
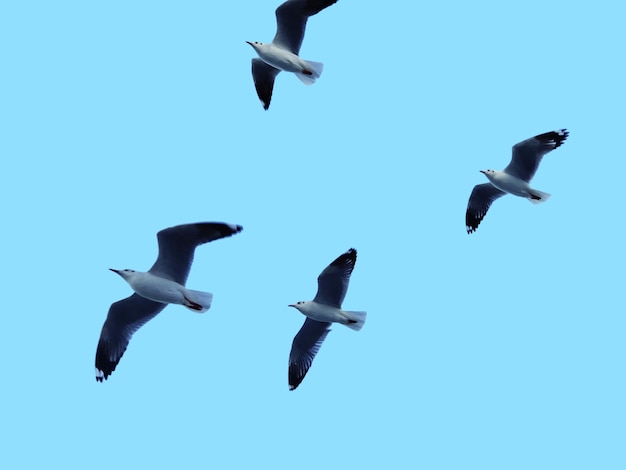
point(503, 349)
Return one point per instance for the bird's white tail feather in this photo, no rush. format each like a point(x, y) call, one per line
point(356, 320)
point(316, 70)
point(538, 196)
point(199, 301)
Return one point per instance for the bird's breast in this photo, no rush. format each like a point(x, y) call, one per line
point(321, 312)
point(158, 289)
point(281, 59)
point(510, 184)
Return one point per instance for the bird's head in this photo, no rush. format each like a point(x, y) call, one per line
point(298, 305)
point(255, 44)
point(125, 273)
point(488, 173)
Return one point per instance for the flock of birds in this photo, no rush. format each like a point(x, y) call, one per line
point(164, 282)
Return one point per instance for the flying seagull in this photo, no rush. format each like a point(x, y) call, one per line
point(323, 310)
point(515, 178)
point(163, 284)
point(282, 52)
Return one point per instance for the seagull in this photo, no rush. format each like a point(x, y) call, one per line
point(515, 178)
point(163, 284)
point(323, 310)
point(282, 52)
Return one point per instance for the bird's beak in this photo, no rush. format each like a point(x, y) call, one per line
point(249, 43)
point(114, 270)
point(483, 172)
point(291, 305)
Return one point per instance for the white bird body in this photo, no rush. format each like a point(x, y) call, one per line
point(282, 54)
point(512, 185)
point(515, 178)
point(324, 310)
point(287, 61)
point(278, 57)
point(162, 284)
point(166, 291)
point(328, 313)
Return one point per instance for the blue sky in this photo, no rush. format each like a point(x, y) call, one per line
point(500, 349)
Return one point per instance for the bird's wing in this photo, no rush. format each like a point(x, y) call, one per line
point(264, 75)
point(125, 317)
point(291, 18)
point(332, 283)
point(305, 346)
point(481, 198)
point(177, 245)
point(528, 153)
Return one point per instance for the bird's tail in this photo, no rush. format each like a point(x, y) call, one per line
point(311, 73)
point(355, 320)
point(537, 197)
point(197, 301)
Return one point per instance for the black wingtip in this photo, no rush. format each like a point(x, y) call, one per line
point(104, 368)
point(224, 229)
point(473, 220)
point(553, 138)
point(230, 229)
point(347, 257)
point(472, 223)
point(105, 365)
point(295, 377)
point(314, 7)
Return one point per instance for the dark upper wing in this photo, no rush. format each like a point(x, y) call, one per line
point(305, 346)
point(481, 198)
point(124, 318)
point(332, 283)
point(291, 19)
point(528, 153)
point(264, 75)
point(177, 245)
